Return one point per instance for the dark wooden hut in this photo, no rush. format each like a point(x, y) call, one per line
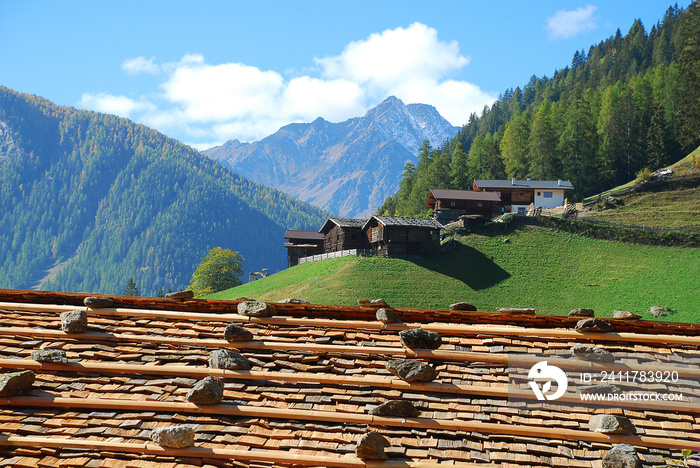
point(393, 236)
point(343, 234)
point(302, 244)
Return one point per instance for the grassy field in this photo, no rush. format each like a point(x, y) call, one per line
point(679, 208)
point(551, 271)
point(676, 205)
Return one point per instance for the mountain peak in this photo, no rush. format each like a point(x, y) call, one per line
point(390, 103)
point(347, 168)
point(393, 100)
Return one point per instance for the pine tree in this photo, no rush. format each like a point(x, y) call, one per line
point(690, 75)
point(657, 140)
point(459, 176)
point(514, 147)
point(479, 155)
point(131, 289)
point(578, 143)
point(542, 145)
point(611, 133)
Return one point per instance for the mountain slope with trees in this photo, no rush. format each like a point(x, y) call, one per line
point(104, 200)
point(630, 102)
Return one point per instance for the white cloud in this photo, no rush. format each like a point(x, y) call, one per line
point(395, 55)
point(203, 103)
point(111, 104)
point(215, 93)
point(334, 100)
point(569, 23)
point(134, 66)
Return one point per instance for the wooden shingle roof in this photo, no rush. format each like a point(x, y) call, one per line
point(316, 371)
point(341, 222)
point(463, 195)
point(428, 223)
point(293, 234)
point(447, 194)
point(524, 184)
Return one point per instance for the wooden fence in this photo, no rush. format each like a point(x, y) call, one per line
point(338, 254)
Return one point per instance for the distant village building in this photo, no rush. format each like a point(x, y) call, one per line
point(388, 236)
point(343, 234)
point(393, 236)
point(450, 205)
point(517, 195)
point(302, 244)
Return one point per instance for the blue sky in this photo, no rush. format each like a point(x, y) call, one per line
point(209, 71)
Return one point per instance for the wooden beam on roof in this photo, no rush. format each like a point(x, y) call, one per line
point(275, 456)
point(503, 392)
point(556, 433)
point(401, 352)
point(446, 329)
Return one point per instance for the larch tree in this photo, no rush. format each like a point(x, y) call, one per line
point(514, 147)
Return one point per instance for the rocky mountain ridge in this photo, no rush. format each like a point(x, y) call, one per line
point(346, 168)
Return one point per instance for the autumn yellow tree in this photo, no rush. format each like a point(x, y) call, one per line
point(218, 270)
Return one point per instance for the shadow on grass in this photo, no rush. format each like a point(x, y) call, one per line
point(468, 265)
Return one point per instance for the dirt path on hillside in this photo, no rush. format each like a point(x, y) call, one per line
point(51, 273)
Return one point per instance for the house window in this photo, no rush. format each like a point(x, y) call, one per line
point(522, 195)
point(547, 194)
point(452, 203)
point(479, 204)
point(539, 194)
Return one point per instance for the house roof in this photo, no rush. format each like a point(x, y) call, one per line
point(303, 235)
point(341, 222)
point(444, 194)
point(404, 221)
point(524, 184)
point(315, 372)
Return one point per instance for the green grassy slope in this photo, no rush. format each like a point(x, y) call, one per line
point(551, 271)
point(675, 204)
point(674, 208)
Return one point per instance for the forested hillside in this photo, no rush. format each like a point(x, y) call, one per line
point(104, 200)
point(630, 102)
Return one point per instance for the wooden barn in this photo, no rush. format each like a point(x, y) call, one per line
point(302, 244)
point(449, 205)
point(343, 234)
point(394, 236)
point(517, 195)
